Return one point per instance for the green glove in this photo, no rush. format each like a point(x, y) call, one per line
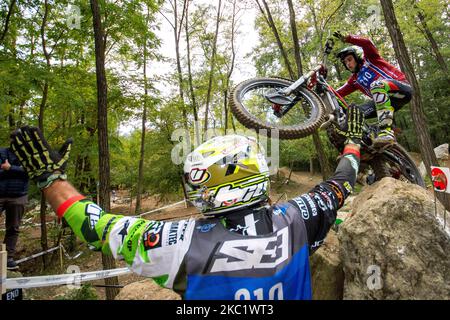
point(355, 123)
point(43, 164)
point(339, 35)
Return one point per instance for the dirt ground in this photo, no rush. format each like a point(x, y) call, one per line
point(29, 239)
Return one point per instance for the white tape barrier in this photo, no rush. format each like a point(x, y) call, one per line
point(159, 209)
point(48, 251)
point(69, 257)
point(63, 279)
point(37, 254)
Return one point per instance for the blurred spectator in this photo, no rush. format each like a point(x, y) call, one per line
point(13, 198)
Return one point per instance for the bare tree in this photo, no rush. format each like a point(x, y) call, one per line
point(144, 120)
point(211, 68)
point(434, 46)
point(177, 26)
point(7, 20)
point(231, 64)
point(102, 127)
point(43, 208)
point(190, 82)
point(325, 166)
point(269, 19)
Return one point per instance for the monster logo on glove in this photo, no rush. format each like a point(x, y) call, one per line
point(43, 164)
point(354, 125)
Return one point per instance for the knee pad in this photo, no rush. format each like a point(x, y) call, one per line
point(379, 84)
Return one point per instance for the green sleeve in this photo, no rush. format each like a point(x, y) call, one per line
point(150, 248)
point(91, 224)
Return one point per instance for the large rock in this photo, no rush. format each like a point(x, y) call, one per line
point(441, 153)
point(393, 246)
point(146, 290)
point(326, 270)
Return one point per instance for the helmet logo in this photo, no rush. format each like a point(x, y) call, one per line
point(198, 175)
point(229, 202)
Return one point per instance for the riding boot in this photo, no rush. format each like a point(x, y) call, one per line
point(385, 135)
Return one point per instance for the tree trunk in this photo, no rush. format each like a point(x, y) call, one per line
point(323, 161)
point(297, 56)
point(211, 69)
point(177, 32)
point(42, 211)
point(417, 112)
point(230, 71)
point(291, 168)
point(8, 17)
point(102, 126)
point(144, 120)
point(324, 165)
point(338, 71)
point(433, 44)
point(233, 123)
point(268, 17)
point(191, 86)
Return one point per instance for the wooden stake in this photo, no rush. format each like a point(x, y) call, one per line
point(60, 256)
point(3, 259)
point(445, 211)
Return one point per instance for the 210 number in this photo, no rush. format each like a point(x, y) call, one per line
point(275, 293)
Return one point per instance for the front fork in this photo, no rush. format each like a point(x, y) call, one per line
point(335, 112)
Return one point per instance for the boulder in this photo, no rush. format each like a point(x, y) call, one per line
point(326, 270)
point(394, 245)
point(441, 153)
point(146, 290)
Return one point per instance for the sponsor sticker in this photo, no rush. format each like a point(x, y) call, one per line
point(152, 236)
point(440, 177)
point(206, 227)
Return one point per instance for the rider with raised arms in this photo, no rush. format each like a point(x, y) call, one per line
point(386, 85)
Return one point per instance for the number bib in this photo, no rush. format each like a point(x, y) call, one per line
point(366, 76)
point(225, 265)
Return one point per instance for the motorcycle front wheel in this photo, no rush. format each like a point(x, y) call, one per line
point(249, 105)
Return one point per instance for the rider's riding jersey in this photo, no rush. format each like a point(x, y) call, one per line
point(374, 68)
point(255, 253)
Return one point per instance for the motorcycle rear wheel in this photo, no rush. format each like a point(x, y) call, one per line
point(397, 163)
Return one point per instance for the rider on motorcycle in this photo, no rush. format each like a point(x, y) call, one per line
point(244, 248)
point(377, 79)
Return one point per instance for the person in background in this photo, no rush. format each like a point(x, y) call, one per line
point(13, 198)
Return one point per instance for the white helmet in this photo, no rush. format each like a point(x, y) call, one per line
point(226, 173)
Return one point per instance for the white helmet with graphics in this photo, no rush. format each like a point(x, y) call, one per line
point(226, 173)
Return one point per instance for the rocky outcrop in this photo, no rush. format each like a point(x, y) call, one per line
point(146, 290)
point(394, 246)
point(326, 270)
